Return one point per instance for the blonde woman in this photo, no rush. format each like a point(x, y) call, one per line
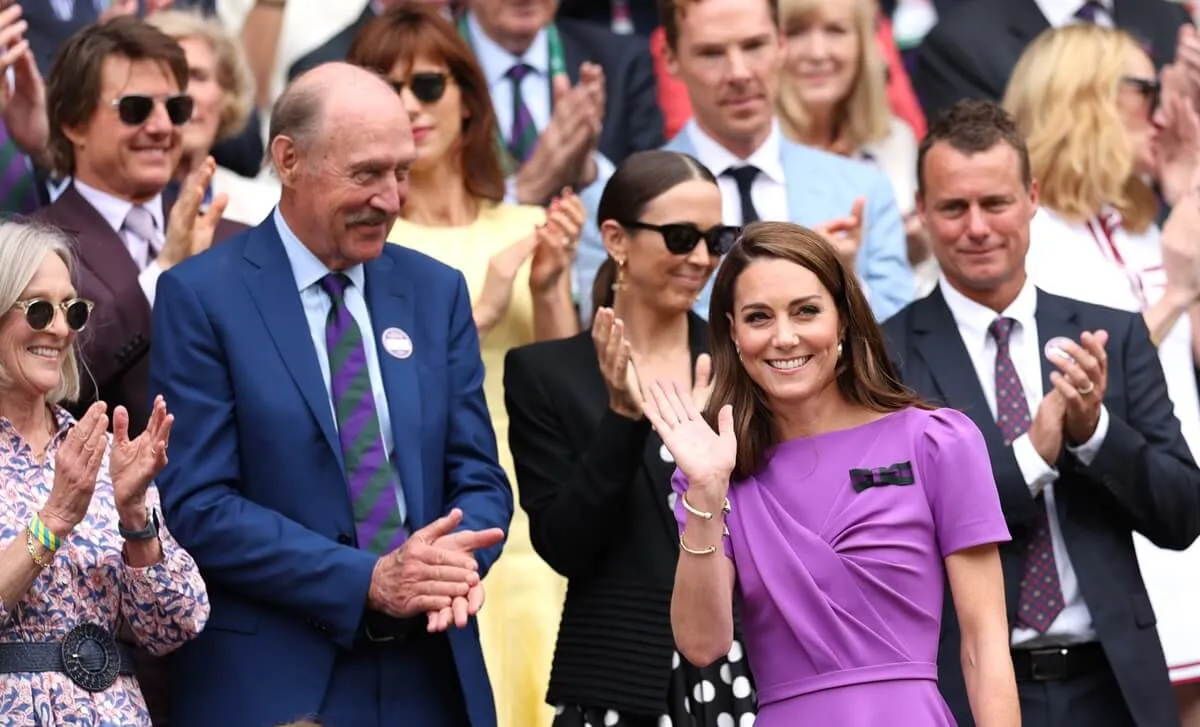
point(833, 96)
point(1087, 99)
point(220, 83)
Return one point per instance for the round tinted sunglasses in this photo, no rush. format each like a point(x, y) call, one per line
point(134, 109)
point(682, 237)
point(39, 313)
point(426, 86)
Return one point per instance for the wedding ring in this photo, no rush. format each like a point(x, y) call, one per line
point(1090, 388)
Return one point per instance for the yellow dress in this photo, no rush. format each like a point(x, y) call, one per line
point(519, 621)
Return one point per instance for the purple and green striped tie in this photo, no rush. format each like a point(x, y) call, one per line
point(369, 474)
point(18, 195)
point(524, 133)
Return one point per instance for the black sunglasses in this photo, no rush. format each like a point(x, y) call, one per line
point(39, 313)
point(682, 237)
point(134, 109)
point(1149, 88)
point(426, 86)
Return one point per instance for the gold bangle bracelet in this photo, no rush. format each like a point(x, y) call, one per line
point(31, 545)
point(707, 551)
point(725, 509)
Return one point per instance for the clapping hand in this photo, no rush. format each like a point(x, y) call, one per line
point(76, 466)
point(190, 228)
point(557, 241)
point(134, 463)
point(462, 608)
point(1082, 380)
point(706, 457)
point(845, 233)
point(615, 356)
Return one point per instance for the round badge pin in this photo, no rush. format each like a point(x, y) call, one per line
point(397, 343)
point(1057, 348)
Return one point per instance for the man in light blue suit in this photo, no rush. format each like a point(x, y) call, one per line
point(728, 53)
point(334, 472)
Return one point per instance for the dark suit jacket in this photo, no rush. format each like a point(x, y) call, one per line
point(334, 49)
point(1143, 479)
point(590, 481)
point(971, 52)
point(116, 341)
point(643, 13)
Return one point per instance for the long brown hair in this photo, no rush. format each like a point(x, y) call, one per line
point(865, 374)
point(416, 30)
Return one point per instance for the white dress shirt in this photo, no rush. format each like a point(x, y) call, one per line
point(309, 271)
point(769, 191)
point(1062, 12)
point(114, 211)
point(1074, 623)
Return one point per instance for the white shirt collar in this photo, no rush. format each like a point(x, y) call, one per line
point(767, 157)
point(1062, 12)
point(306, 268)
point(496, 61)
point(114, 210)
point(973, 319)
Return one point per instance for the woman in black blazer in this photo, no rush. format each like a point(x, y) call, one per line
point(594, 478)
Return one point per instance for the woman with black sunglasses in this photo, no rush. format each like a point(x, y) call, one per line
point(82, 546)
point(596, 480)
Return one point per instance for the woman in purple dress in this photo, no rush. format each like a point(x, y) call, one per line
point(841, 502)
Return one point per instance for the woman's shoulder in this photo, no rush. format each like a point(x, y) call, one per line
point(558, 357)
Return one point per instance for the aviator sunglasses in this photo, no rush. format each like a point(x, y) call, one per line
point(426, 86)
point(39, 313)
point(682, 237)
point(134, 109)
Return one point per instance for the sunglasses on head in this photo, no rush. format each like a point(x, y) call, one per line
point(39, 313)
point(682, 237)
point(426, 86)
point(1149, 88)
point(134, 109)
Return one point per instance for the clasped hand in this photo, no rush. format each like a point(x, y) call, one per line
point(434, 573)
point(1070, 411)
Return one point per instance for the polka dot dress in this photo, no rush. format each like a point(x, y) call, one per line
point(719, 695)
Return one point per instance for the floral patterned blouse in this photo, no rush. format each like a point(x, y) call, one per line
point(164, 605)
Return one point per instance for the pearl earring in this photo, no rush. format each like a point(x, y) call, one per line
point(839, 350)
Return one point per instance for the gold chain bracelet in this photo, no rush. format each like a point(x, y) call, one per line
point(31, 544)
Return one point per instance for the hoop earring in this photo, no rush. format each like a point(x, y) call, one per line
point(620, 281)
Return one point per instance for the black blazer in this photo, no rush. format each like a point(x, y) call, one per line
point(1143, 479)
point(599, 518)
point(971, 52)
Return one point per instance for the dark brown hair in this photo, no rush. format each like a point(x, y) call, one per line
point(76, 78)
point(973, 127)
point(638, 180)
point(670, 11)
point(864, 375)
point(416, 30)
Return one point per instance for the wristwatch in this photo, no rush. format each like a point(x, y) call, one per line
point(150, 532)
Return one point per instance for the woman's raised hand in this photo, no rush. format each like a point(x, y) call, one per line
point(616, 364)
point(706, 457)
point(76, 466)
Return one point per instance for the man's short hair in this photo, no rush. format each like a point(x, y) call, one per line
point(77, 76)
point(973, 127)
point(670, 11)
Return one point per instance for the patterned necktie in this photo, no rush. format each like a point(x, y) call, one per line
point(524, 133)
point(1087, 13)
point(140, 222)
point(368, 472)
point(744, 176)
point(18, 193)
point(1040, 600)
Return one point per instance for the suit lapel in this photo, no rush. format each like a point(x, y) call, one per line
point(105, 253)
point(1025, 20)
point(573, 54)
point(389, 300)
point(272, 285)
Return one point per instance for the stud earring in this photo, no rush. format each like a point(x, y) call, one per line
point(839, 350)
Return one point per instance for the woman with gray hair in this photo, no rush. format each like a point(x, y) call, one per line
point(222, 88)
point(82, 546)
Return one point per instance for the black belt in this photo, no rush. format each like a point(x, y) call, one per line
point(1058, 662)
point(378, 628)
point(89, 656)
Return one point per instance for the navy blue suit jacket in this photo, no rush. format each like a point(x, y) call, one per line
point(255, 489)
point(1143, 479)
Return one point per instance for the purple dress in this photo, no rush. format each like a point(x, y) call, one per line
point(838, 543)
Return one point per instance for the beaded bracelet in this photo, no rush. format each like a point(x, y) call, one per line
point(43, 534)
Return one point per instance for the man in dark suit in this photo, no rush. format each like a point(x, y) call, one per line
point(116, 107)
point(971, 52)
point(330, 434)
point(1073, 404)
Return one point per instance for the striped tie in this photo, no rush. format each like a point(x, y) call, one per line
point(524, 133)
point(17, 192)
point(368, 472)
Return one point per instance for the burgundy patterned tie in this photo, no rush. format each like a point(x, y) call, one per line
point(1040, 600)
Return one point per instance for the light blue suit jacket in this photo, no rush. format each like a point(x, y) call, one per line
point(820, 186)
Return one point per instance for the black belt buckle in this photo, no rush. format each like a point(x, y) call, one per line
point(1049, 664)
point(90, 657)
